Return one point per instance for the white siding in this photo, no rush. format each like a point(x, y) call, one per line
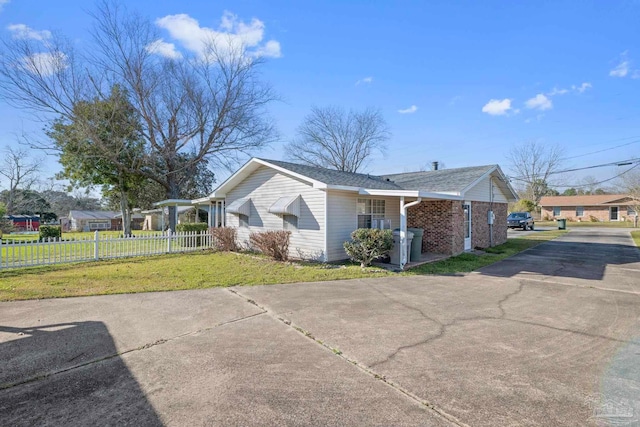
point(481, 192)
point(343, 219)
point(264, 187)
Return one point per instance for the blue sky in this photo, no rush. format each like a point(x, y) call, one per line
point(457, 81)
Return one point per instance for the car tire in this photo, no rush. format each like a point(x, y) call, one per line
point(531, 227)
point(524, 227)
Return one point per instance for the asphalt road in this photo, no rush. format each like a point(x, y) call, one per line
point(548, 337)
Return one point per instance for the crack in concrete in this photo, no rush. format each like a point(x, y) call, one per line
point(363, 368)
point(121, 353)
point(443, 326)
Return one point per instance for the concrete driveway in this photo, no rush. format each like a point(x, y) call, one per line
point(549, 337)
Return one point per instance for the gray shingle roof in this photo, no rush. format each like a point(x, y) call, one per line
point(445, 180)
point(93, 214)
point(333, 177)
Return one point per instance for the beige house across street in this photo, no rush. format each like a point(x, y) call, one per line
point(598, 207)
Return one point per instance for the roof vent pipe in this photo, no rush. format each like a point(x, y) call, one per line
point(434, 166)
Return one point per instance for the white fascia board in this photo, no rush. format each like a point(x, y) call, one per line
point(201, 201)
point(445, 195)
point(398, 193)
point(340, 188)
point(173, 202)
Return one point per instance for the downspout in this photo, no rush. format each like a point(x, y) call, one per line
point(490, 211)
point(403, 229)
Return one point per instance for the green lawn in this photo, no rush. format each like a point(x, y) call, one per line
point(636, 237)
point(208, 269)
point(468, 262)
point(615, 224)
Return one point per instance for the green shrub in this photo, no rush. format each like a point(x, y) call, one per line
point(50, 231)
point(191, 227)
point(225, 239)
point(274, 243)
point(367, 244)
point(593, 218)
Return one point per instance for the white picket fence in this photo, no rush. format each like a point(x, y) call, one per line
point(58, 251)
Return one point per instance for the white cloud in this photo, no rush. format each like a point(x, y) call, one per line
point(168, 50)
point(539, 102)
point(583, 87)
point(555, 91)
point(45, 63)
point(409, 110)
point(367, 80)
point(497, 107)
point(623, 68)
point(231, 34)
point(21, 31)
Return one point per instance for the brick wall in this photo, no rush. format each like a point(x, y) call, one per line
point(442, 224)
point(480, 230)
point(599, 212)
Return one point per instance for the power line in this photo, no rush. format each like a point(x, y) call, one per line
point(603, 150)
point(600, 182)
point(617, 163)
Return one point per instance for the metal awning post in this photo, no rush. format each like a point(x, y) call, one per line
point(403, 229)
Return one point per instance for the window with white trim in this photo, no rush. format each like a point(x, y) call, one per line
point(290, 222)
point(368, 210)
point(243, 221)
point(631, 211)
point(579, 211)
point(556, 211)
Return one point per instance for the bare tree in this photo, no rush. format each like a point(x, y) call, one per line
point(533, 164)
point(208, 104)
point(332, 138)
point(20, 172)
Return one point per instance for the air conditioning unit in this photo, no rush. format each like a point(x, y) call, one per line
point(382, 224)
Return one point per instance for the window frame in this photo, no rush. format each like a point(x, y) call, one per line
point(373, 209)
point(553, 210)
point(579, 211)
point(288, 225)
point(242, 223)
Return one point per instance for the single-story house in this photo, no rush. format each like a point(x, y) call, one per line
point(25, 222)
point(459, 209)
point(99, 220)
point(600, 207)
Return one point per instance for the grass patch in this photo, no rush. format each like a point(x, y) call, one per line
point(636, 237)
point(467, 262)
point(613, 224)
point(166, 273)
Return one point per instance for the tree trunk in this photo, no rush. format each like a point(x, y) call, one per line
point(172, 193)
point(124, 210)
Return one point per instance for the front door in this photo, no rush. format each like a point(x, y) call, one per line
point(466, 207)
point(613, 213)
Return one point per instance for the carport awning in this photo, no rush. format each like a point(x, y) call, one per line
point(240, 207)
point(288, 205)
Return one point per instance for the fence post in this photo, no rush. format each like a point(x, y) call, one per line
point(96, 247)
point(169, 241)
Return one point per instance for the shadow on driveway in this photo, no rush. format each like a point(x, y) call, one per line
point(575, 255)
point(68, 374)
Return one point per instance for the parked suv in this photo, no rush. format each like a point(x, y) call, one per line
point(522, 220)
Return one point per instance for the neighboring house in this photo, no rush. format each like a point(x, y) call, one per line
point(25, 222)
point(600, 207)
point(321, 207)
point(92, 220)
point(157, 219)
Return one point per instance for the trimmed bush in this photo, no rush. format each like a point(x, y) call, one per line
point(193, 227)
point(225, 239)
point(50, 231)
point(367, 244)
point(273, 243)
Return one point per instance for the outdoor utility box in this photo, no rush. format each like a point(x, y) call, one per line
point(491, 218)
point(416, 243)
point(395, 252)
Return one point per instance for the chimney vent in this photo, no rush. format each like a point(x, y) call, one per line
point(434, 166)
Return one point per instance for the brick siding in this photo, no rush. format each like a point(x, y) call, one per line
point(443, 224)
point(480, 229)
point(599, 212)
